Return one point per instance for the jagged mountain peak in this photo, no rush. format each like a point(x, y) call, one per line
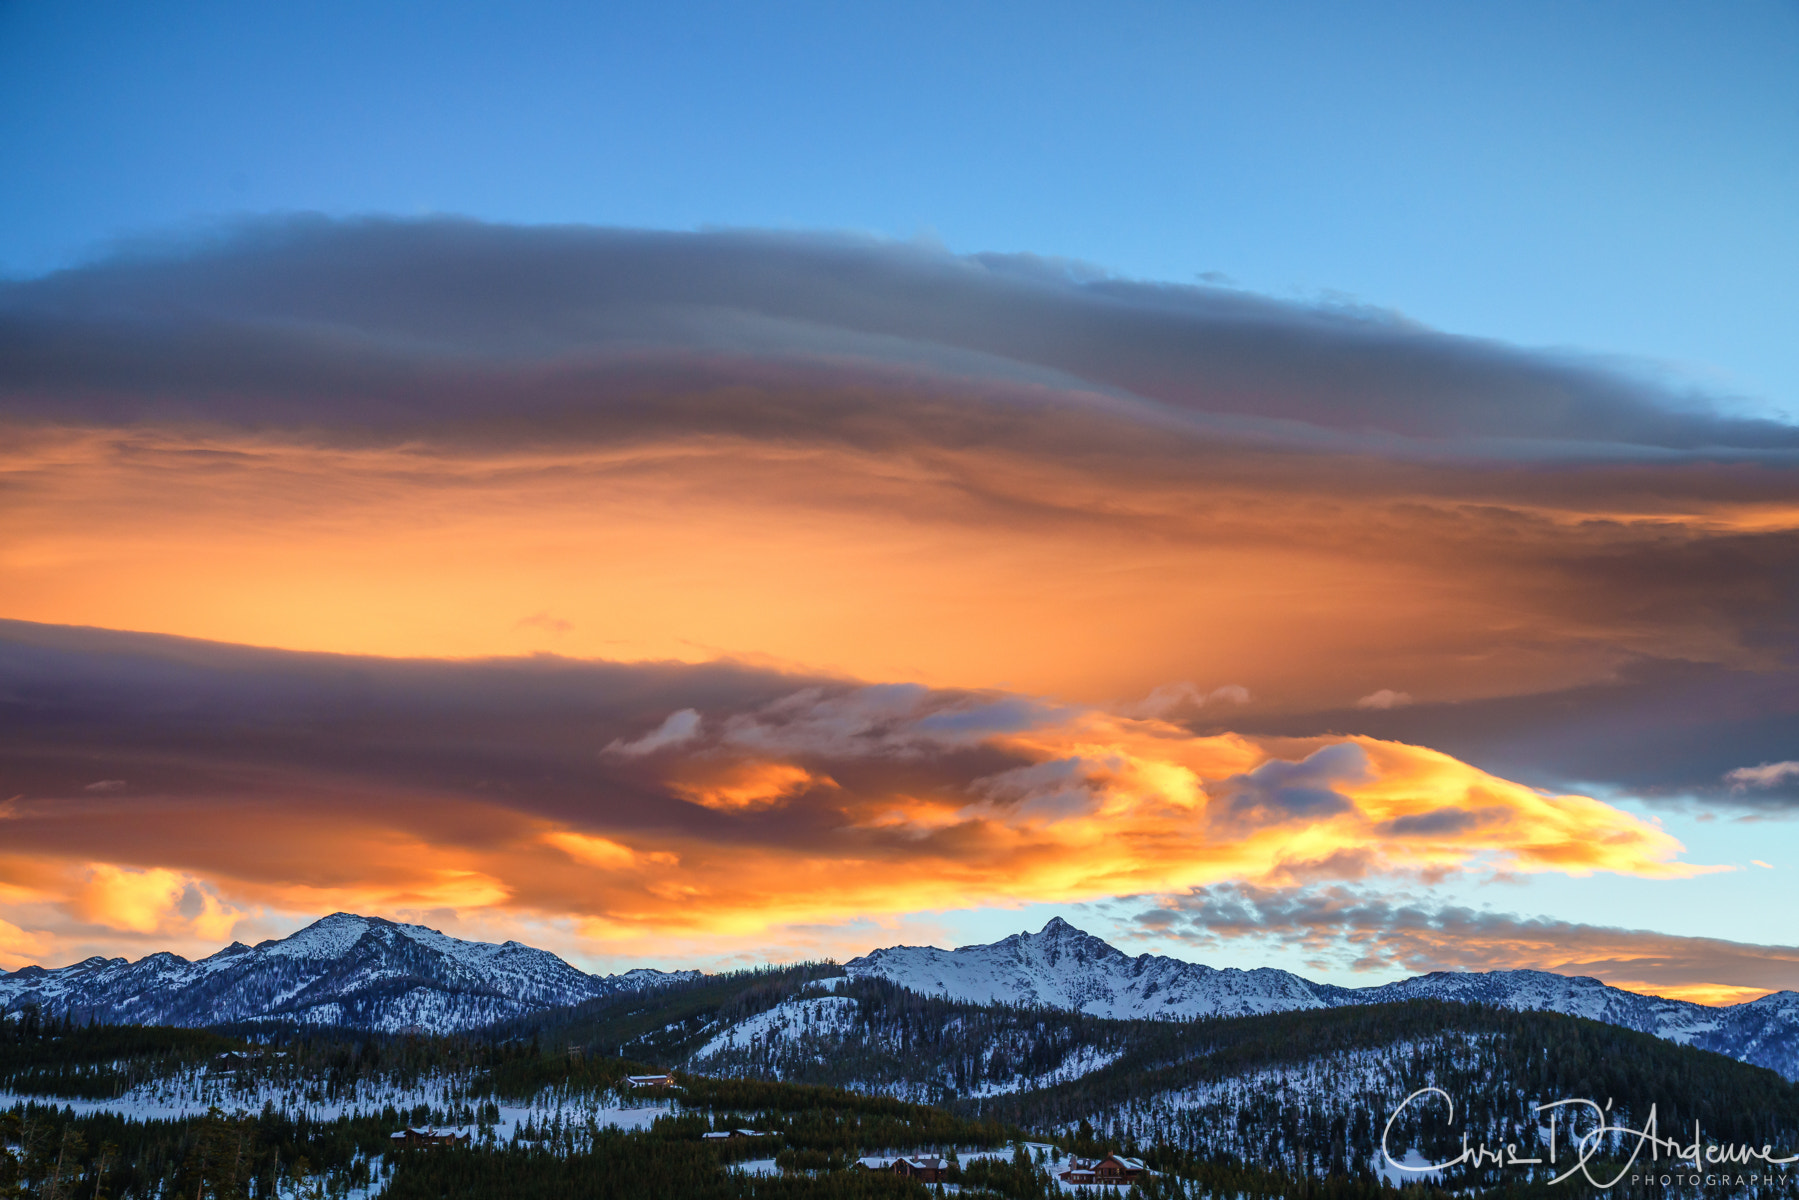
point(1063, 966)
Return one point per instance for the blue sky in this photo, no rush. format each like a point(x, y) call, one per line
point(1619, 179)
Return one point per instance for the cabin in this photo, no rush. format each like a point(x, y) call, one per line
point(1113, 1168)
point(428, 1137)
point(724, 1134)
point(1116, 1168)
point(650, 1081)
point(925, 1170)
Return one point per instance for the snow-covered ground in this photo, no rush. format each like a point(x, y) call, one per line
point(822, 1014)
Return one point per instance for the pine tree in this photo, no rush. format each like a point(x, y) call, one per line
point(68, 1162)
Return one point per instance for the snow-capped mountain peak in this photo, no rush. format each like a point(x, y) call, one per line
point(327, 937)
point(344, 969)
point(1061, 966)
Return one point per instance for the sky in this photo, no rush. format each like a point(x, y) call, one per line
point(1273, 484)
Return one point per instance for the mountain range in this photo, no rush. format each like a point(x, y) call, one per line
point(1063, 967)
point(370, 973)
point(361, 972)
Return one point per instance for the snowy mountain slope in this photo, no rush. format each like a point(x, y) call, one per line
point(342, 970)
point(1063, 967)
point(1764, 1032)
point(813, 1015)
point(872, 1037)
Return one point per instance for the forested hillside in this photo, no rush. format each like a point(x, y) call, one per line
point(826, 1070)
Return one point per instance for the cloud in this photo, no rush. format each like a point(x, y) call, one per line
point(262, 324)
point(1171, 698)
point(1280, 791)
point(763, 800)
point(750, 785)
point(128, 899)
point(855, 540)
point(679, 727)
point(870, 460)
point(1384, 698)
point(1366, 930)
point(1765, 776)
point(1662, 731)
point(19, 948)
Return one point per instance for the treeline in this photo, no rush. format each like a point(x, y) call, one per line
point(51, 1154)
point(59, 1057)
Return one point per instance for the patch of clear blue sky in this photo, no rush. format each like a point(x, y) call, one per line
point(1618, 177)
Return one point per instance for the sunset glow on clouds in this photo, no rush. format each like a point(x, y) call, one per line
point(947, 801)
point(865, 583)
point(758, 804)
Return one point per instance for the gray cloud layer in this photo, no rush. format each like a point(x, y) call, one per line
point(181, 720)
point(364, 324)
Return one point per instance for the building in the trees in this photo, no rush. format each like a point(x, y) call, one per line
point(1113, 1168)
point(924, 1168)
point(428, 1137)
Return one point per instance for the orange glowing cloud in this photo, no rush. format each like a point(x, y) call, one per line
point(19, 948)
point(751, 785)
point(963, 570)
point(827, 803)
